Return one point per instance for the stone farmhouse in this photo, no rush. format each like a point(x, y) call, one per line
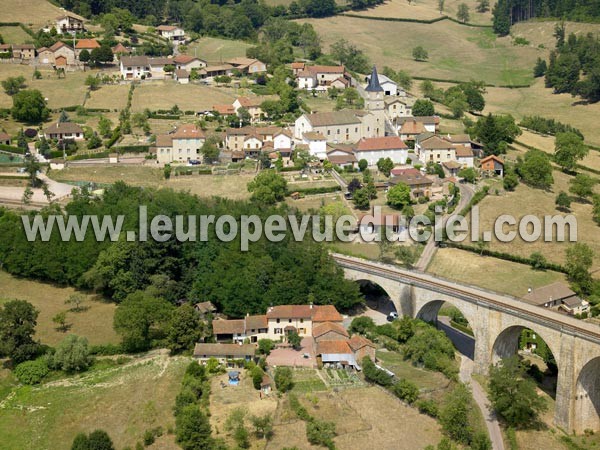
point(252, 105)
point(85, 44)
point(251, 141)
point(321, 323)
point(183, 145)
point(24, 52)
point(557, 296)
point(247, 66)
point(339, 126)
point(420, 185)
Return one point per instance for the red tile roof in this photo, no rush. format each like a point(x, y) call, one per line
point(224, 350)
point(224, 110)
point(333, 347)
point(290, 312)
point(228, 326)
point(87, 43)
point(380, 143)
point(248, 102)
point(256, 322)
point(326, 327)
point(188, 131)
point(357, 342)
point(326, 313)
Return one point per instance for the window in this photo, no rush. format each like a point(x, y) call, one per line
point(277, 331)
point(278, 320)
point(289, 320)
point(328, 132)
point(301, 320)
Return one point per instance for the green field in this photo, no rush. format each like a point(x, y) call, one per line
point(456, 52)
point(123, 400)
point(15, 35)
point(216, 50)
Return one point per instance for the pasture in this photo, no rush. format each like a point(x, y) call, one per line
point(216, 50)
point(456, 52)
point(15, 35)
point(34, 13)
point(425, 10)
point(166, 94)
point(95, 322)
point(124, 400)
point(509, 278)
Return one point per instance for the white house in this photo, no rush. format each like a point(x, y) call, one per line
point(341, 156)
point(69, 23)
point(465, 156)
point(138, 67)
point(64, 130)
point(431, 148)
point(188, 63)
point(282, 140)
point(171, 32)
point(182, 76)
point(312, 77)
point(317, 144)
point(399, 107)
point(339, 126)
point(373, 149)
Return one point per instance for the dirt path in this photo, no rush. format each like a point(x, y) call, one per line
point(491, 422)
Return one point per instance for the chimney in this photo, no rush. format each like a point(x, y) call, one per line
point(311, 305)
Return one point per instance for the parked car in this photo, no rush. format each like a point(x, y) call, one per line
point(194, 162)
point(392, 316)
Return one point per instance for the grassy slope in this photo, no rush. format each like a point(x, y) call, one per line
point(34, 13)
point(509, 277)
point(455, 51)
point(95, 323)
point(125, 401)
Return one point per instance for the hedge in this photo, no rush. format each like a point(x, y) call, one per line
point(163, 116)
point(507, 257)
point(132, 148)
point(395, 19)
point(461, 327)
point(98, 155)
point(468, 24)
point(12, 149)
point(479, 195)
point(16, 177)
point(446, 80)
point(316, 190)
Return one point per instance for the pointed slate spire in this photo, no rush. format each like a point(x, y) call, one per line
point(374, 85)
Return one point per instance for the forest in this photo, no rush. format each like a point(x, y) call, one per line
point(509, 12)
point(286, 272)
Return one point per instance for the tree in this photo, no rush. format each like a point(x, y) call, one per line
point(539, 70)
point(385, 165)
point(186, 328)
point(76, 300)
point(582, 185)
point(363, 164)
point(12, 85)
point(536, 169)
point(84, 56)
point(423, 107)
point(283, 379)
point(494, 132)
point(27, 196)
point(407, 256)
point(138, 316)
point(92, 82)
point(538, 261)
point(100, 440)
point(101, 55)
point(71, 355)
point(105, 126)
point(81, 442)
point(511, 180)
point(193, 430)
point(350, 56)
point(398, 196)
point(167, 171)
point(483, 6)
point(361, 198)
point(294, 339)
point(268, 187)
point(463, 13)
point(18, 319)
point(263, 425)
point(210, 149)
point(354, 185)
point(568, 149)
point(514, 396)
point(563, 201)
point(265, 346)
point(441, 5)
point(362, 325)
point(350, 98)
point(420, 54)
point(468, 174)
point(454, 414)
point(60, 319)
point(29, 105)
point(596, 209)
point(580, 258)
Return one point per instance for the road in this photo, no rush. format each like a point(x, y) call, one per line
point(466, 194)
point(465, 344)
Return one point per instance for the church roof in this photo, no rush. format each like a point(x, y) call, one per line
point(374, 85)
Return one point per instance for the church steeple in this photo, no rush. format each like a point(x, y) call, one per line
point(374, 85)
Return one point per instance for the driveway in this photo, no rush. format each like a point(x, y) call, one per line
point(287, 356)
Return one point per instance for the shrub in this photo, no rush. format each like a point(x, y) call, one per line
point(406, 390)
point(32, 372)
point(428, 407)
point(284, 379)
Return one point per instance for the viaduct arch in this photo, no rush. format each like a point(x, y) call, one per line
point(497, 321)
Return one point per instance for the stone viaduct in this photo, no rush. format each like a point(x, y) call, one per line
point(497, 321)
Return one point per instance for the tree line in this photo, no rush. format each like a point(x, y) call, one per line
point(236, 282)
